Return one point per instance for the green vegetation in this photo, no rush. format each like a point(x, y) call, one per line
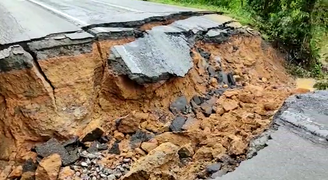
point(299, 27)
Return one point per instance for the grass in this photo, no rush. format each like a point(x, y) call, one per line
point(237, 13)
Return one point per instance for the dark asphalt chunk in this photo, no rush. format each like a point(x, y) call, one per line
point(177, 124)
point(139, 137)
point(308, 112)
point(179, 105)
point(29, 166)
point(94, 135)
point(54, 147)
point(15, 58)
point(115, 149)
point(153, 58)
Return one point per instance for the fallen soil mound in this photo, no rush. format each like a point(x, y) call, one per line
point(100, 124)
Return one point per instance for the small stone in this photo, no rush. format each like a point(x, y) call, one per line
point(231, 80)
point(219, 173)
point(118, 135)
point(189, 123)
point(118, 174)
point(28, 176)
point(214, 82)
point(186, 151)
point(150, 145)
point(212, 72)
point(225, 86)
point(94, 178)
point(230, 93)
point(207, 109)
point(65, 173)
point(78, 174)
point(84, 164)
point(115, 149)
point(49, 168)
point(179, 105)
point(111, 177)
point(213, 168)
point(29, 166)
point(198, 100)
point(126, 166)
point(177, 124)
point(102, 175)
point(270, 106)
point(230, 105)
point(264, 79)
point(126, 160)
point(16, 172)
point(93, 135)
point(139, 137)
point(237, 78)
point(140, 151)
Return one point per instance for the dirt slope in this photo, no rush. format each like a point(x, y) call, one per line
point(84, 93)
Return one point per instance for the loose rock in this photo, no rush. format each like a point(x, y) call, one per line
point(16, 172)
point(115, 149)
point(66, 173)
point(150, 145)
point(213, 168)
point(54, 147)
point(94, 135)
point(29, 166)
point(165, 154)
point(186, 151)
point(177, 124)
point(28, 176)
point(139, 137)
point(179, 105)
point(189, 123)
point(48, 168)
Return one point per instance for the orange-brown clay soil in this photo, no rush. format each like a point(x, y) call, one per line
point(88, 95)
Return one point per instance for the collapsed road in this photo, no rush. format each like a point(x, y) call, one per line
point(130, 90)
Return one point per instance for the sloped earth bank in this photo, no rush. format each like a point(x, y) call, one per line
point(103, 125)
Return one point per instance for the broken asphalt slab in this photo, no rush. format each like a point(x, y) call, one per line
point(162, 53)
point(308, 112)
point(153, 58)
point(296, 150)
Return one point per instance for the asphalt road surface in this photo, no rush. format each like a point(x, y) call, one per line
point(298, 150)
point(25, 20)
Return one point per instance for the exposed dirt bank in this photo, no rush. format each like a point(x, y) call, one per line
point(170, 130)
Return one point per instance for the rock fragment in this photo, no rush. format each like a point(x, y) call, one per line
point(186, 151)
point(115, 149)
point(28, 176)
point(66, 173)
point(94, 135)
point(213, 168)
point(148, 59)
point(54, 147)
point(29, 166)
point(150, 145)
point(139, 137)
point(16, 172)
point(97, 146)
point(189, 123)
point(177, 124)
point(48, 168)
point(164, 155)
point(179, 105)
